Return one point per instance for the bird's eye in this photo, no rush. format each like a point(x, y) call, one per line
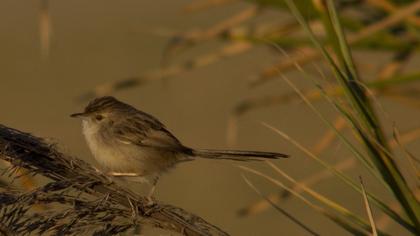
point(99, 117)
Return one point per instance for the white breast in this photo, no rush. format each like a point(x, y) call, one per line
point(117, 156)
point(89, 131)
point(110, 157)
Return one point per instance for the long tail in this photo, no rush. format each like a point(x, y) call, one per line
point(237, 155)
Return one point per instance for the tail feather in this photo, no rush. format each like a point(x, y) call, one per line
point(237, 155)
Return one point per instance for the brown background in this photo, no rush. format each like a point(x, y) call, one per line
point(99, 41)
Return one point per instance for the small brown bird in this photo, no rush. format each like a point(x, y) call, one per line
point(130, 143)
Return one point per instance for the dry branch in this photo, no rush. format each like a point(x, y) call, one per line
point(312, 54)
point(89, 200)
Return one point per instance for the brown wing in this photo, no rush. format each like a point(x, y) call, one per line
point(146, 131)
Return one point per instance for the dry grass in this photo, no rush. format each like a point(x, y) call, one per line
point(78, 198)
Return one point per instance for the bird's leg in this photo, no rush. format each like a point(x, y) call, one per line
point(98, 171)
point(134, 211)
point(152, 191)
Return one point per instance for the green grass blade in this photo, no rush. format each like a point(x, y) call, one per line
point(350, 146)
point(366, 115)
point(345, 54)
point(384, 162)
point(380, 204)
point(343, 222)
point(333, 205)
point(279, 209)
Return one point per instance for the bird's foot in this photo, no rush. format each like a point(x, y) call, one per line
point(107, 179)
point(150, 201)
point(150, 206)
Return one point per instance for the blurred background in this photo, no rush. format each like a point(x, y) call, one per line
point(209, 71)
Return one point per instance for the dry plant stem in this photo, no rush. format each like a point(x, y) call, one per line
point(389, 70)
point(321, 198)
point(329, 136)
point(226, 24)
point(368, 209)
point(389, 21)
point(311, 180)
point(250, 104)
point(282, 211)
point(194, 36)
point(27, 182)
point(204, 5)
point(260, 206)
point(35, 155)
point(385, 74)
point(410, 158)
point(4, 231)
point(326, 141)
point(391, 8)
point(403, 99)
point(395, 66)
point(383, 221)
point(406, 137)
point(44, 28)
point(174, 70)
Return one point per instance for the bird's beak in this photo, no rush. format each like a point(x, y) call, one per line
point(77, 115)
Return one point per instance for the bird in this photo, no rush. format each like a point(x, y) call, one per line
point(127, 142)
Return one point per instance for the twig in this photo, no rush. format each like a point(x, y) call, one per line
point(399, 59)
point(391, 8)
point(65, 172)
point(383, 222)
point(279, 209)
point(198, 35)
point(313, 179)
point(204, 5)
point(260, 206)
point(44, 28)
point(314, 54)
point(173, 70)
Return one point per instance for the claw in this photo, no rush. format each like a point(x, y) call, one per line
point(150, 207)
